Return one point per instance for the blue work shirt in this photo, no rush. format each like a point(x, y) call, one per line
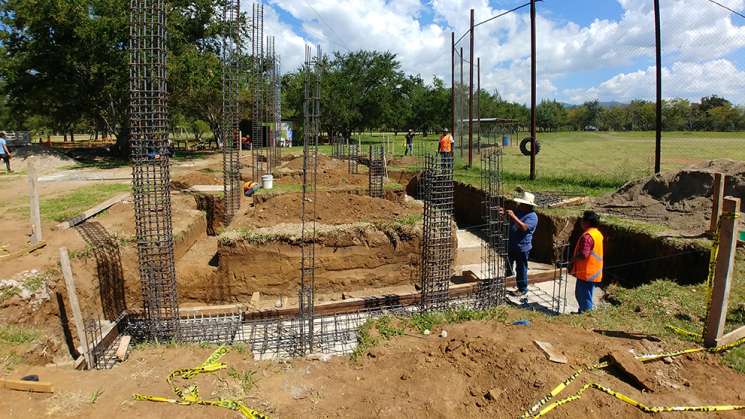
point(2, 148)
point(523, 240)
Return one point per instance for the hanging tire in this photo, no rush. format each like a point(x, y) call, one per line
point(525, 146)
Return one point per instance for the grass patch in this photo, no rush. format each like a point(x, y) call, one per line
point(17, 335)
point(61, 208)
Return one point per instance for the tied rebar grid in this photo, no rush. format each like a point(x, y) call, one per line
point(354, 156)
point(437, 241)
point(230, 114)
point(277, 108)
point(150, 166)
point(376, 174)
point(259, 158)
point(491, 288)
point(311, 130)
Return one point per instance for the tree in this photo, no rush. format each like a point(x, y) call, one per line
point(550, 115)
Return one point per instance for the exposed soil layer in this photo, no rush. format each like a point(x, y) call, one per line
point(331, 208)
point(331, 173)
point(190, 179)
point(45, 158)
point(680, 199)
point(348, 257)
point(479, 370)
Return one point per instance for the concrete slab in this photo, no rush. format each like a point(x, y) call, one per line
point(468, 240)
point(552, 298)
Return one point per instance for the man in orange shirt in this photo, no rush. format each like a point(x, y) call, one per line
point(588, 261)
point(445, 147)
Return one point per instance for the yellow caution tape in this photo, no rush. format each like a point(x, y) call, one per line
point(190, 395)
point(541, 410)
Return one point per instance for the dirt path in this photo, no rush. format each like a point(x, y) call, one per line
point(480, 370)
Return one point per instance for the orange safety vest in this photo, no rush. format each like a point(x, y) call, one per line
point(590, 269)
point(446, 144)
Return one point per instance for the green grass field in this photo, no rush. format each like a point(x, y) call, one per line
point(589, 163)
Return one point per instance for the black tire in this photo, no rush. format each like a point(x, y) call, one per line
point(525, 149)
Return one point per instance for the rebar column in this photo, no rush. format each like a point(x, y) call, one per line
point(230, 129)
point(376, 174)
point(491, 289)
point(311, 132)
point(437, 242)
point(258, 159)
point(148, 106)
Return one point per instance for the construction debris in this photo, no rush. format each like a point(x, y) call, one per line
point(551, 354)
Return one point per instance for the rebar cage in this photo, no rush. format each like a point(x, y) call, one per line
point(376, 174)
point(438, 231)
point(491, 289)
point(354, 156)
point(149, 144)
point(230, 130)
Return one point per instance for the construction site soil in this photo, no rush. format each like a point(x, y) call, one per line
point(481, 369)
point(330, 208)
point(332, 173)
point(680, 200)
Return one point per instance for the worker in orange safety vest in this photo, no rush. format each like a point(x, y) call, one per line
point(445, 147)
point(587, 261)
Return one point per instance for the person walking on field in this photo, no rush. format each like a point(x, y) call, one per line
point(523, 224)
point(4, 151)
point(587, 261)
point(409, 143)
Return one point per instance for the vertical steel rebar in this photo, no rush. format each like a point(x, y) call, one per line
point(149, 142)
point(491, 289)
point(470, 92)
point(230, 130)
point(533, 139)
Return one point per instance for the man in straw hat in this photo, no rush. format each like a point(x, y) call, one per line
point(523, 223)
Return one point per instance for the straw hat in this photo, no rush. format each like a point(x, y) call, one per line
point(524, 197)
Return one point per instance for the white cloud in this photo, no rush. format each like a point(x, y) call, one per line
point(699, 40)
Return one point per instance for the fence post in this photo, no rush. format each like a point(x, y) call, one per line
point(716, 317)
point(72, 296)
point(717, 194)
point(36, 232)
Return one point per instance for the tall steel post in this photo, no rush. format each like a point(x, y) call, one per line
point(452, 85)
point(470, 95)
point(658, 122)
point(460, 87)
point(532, 90)
point(478, 104)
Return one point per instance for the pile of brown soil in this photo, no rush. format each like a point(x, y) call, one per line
point(331, 173)
point(680, 199)
point(46, 158)
point(331, 208)
point(190, 179)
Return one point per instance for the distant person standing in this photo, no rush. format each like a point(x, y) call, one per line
point(4, 151)
point(523, 224)
point(409, 143)
point(587, 262)
point(445, 147)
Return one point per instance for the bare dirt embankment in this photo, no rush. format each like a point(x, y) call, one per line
point(331, 172)
point(680, 200)
point(481, 369)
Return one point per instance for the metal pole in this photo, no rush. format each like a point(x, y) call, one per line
point(532, 90)
point(658, 136)
point(470, 98)
point(460, 134)
point(452, 85)
point(478, 104)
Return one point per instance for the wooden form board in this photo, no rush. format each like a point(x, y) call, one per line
point(72, 297)
point(72, 222)
point(32, 386)
point(728, 230)
point(25, 251)
point(717, 196)
point(33, 181)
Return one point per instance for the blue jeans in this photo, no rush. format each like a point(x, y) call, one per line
point(409, 149)
point(583, 293)
point(517, 262)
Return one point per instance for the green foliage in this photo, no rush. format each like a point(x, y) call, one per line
point(17, 335)
point(246, 379)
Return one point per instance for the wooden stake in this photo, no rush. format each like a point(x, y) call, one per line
point(716, 317)
point(36, 232)
point(72, 296)
point(717, 194)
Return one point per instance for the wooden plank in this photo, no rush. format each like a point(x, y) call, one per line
point(72, 297)
point(121, 351)
point(23, 252)
point(551, 354)
point(717, 196)
point(32, 386)
point(732, 337)
point(576, 201)
point(633, 368)
point(33, 181)
point(72, 222)
point(717, 315)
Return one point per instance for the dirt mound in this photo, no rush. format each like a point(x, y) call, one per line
point(331, 172)
point(46, 158)
point(680, 199)
point(331, 208)
point(195, 178)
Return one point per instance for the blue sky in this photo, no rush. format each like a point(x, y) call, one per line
point(587, 49)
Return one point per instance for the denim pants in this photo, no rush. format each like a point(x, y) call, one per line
point(409, 149)
point(517, 263)
point(583, 293)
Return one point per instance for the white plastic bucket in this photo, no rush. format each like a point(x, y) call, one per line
point(267, 181)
